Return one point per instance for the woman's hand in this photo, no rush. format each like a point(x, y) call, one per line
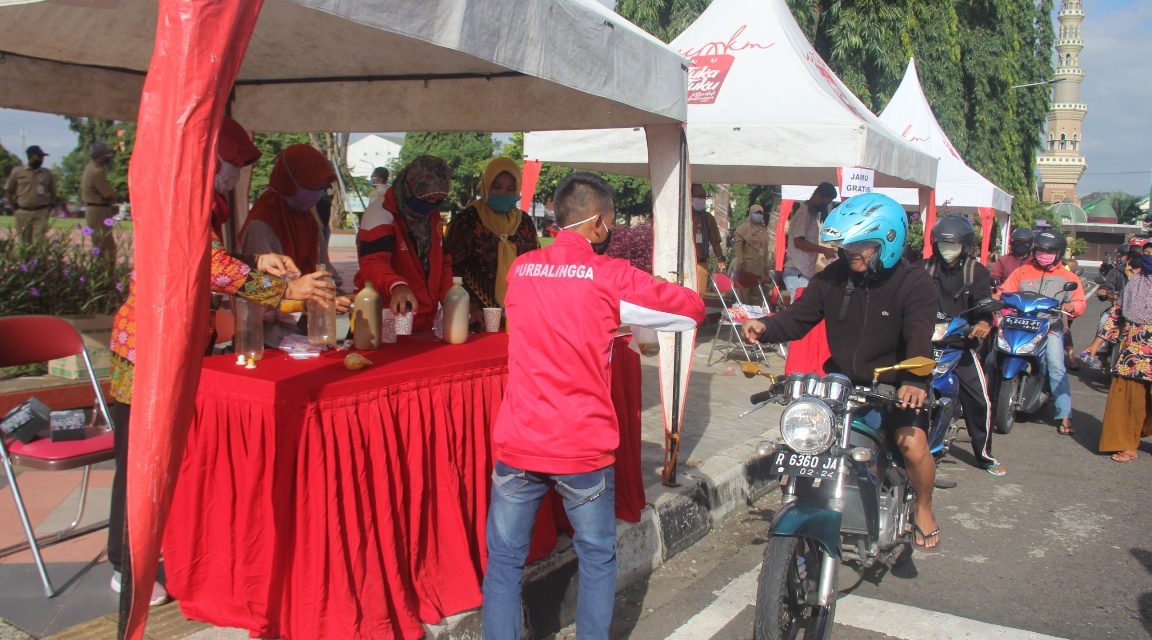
point(402, 300)
point(277, 265)
point(343, 304)
point(313, 286)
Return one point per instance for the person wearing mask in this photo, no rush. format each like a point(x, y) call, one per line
point(1045, 274)
point(803, 250)
point(1128, 413)
point(753, 248)
point(879, 310)
point(706, 236)
point(254, 277)
point(961, 283)
point(99, 197)
point(283, 220)
point(1111, 288)
point(379, 181)
point(556, 426)
point(31, 190)
point(399, 245)
point(1020, 251)
point(489, 234)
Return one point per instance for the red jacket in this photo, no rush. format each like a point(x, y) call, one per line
point(564, 305)
point(388, 259)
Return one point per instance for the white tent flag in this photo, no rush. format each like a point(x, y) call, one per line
point(763, 108)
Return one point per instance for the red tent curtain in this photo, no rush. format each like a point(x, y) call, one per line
point(199, 47)
point(928, 217)
point(987, 224)
point(530, 174)
point(782, 232)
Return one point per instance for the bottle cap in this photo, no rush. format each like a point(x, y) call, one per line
point(457, 280)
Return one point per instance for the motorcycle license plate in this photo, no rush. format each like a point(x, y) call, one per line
point(790, 463)
point(937, 354)
point(1027, 324)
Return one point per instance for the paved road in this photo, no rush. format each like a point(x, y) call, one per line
point(1060, 547)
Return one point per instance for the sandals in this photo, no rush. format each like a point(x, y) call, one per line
point(1124, 456)
point(935, 533)
point(1065, 429)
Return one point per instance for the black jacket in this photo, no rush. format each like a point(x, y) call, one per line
point(890, 317)
point(955, 297)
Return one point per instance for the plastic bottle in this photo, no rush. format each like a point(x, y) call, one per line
point(248, 341)
point(322, 319)
point(366, 312)
point(456, 309)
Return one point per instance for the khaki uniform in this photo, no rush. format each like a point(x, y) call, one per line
point(34, 192)
point(98, 197)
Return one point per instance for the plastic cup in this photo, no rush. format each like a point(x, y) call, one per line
point(388, 327)
point(492, 317)
point(404, 323)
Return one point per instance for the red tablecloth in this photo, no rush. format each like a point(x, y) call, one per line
point(314, 502)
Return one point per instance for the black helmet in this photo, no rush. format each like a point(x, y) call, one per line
point(957, 229)
point(1050, 240)
point(1020, 242)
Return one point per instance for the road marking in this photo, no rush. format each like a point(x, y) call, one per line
point(737, 595)
point(910, 623)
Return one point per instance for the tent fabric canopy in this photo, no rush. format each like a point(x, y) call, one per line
point(763, 108)
point(355, 65)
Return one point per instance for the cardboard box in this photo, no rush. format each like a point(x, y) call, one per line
point(25, 420)
point(68, 425)
point(97, 333)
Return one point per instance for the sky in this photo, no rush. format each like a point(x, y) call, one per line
point(1117, 87)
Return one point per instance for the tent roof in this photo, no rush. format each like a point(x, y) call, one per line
point(763, 108)
point(364, 65)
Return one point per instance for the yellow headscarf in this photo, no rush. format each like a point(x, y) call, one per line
point(502, 225)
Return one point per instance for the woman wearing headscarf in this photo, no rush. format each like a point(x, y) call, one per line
point(1128, 414)
point(486, 237)
point(254, 277)
point(399, 245)
point(283, 220)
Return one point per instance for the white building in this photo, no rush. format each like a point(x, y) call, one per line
point(372, 151)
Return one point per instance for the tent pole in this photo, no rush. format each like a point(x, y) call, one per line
point(672, 448)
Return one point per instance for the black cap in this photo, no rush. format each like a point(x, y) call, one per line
point(34, 150)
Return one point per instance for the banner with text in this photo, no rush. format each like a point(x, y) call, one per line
point(855, 181)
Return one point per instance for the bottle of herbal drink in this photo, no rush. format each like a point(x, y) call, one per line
point(456, 309)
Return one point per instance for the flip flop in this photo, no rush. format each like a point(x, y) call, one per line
point(935, 533)
point(1123, 457)
point(1066, 430)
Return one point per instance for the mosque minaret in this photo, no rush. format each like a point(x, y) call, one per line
point(1062, 164)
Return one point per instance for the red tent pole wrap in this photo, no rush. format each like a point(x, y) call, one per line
point(199, 47)
point(782, 233)
point(928, 217)
point(530, 174)
point(987, 222)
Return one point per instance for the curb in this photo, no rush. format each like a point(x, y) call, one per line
point(678, 518)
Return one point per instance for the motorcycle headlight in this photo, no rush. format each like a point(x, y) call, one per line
point(1002, 343)
point(940, 369)
point(808, 426)
point(1030, 347)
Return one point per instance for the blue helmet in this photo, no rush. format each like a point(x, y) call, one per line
point(870, 217)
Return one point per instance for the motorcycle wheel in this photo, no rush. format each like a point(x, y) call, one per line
point(1005, 416)
point(791, 570)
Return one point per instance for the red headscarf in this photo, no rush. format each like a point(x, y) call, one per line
point(298, 166)
point(234, 147)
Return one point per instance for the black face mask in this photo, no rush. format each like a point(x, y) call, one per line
point(422, 207)
point(1020, 250)
point(35, 164)
point(602, 247)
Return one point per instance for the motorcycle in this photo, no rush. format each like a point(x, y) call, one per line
point(846, 496)
point(1021, 345)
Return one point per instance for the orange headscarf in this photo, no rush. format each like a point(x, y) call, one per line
point(298, 166)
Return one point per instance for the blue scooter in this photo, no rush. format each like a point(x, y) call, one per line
point(1021, 346)
point(949, 342)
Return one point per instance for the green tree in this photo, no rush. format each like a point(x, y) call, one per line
point(466, 152)
point(664, 19)
point(119, 135)
point(1124, 204)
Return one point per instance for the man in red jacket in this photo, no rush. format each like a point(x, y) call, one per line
point(557, 427)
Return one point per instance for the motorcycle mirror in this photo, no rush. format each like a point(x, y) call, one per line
point(1071, 286)
point(919, 366)
point(751, 370)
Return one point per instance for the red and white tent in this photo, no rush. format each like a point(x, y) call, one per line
point(959, 188)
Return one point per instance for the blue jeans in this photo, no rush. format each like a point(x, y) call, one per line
point(590, 502)
point(793, 279)
point(1057, 375)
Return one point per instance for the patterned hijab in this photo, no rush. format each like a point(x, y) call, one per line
point(502, 225)
point(424, 176)
point(298, 166)
point(1137, 304)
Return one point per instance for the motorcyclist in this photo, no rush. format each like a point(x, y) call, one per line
point(879, 311)
point(1020, 251)
point(951, 241)
point(1111, 288)
point(1045, 274)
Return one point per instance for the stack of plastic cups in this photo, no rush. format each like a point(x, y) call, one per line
point(388, 327)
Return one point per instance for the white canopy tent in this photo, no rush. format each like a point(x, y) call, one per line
point(763, 108)
point(959, 188)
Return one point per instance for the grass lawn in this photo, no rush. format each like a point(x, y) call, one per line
point(60, 224)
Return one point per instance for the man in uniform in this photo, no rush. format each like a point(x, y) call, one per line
point(99, 198)
point(706, 236)
point(32, 191)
